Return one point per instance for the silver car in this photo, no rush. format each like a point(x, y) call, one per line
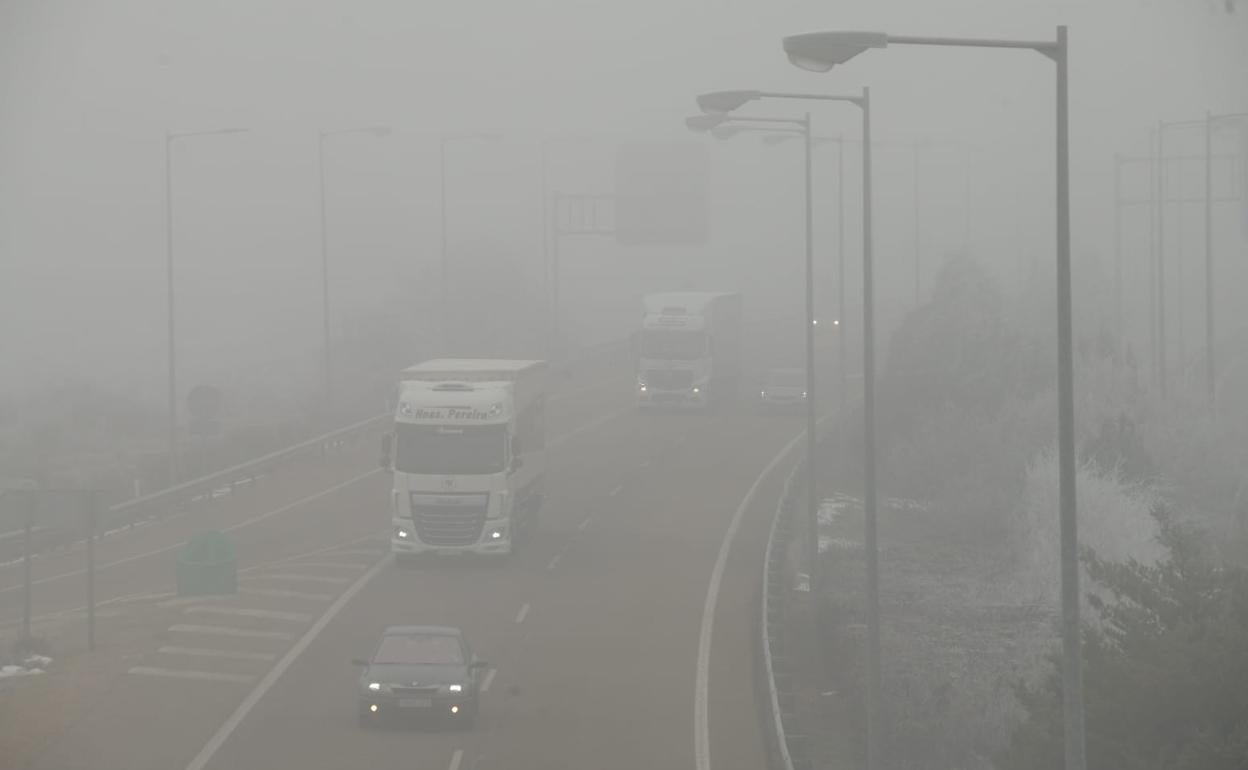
point(784, 389)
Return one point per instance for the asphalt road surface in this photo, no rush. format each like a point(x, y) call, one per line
point(592, 631)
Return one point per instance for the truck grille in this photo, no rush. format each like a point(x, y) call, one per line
point(451, 520)
point(669, 379)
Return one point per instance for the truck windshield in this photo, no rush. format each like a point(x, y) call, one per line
point(450, 450)
point(673, 345)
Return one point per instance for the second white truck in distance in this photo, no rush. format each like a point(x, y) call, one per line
point(468, 455)
point(690, 354)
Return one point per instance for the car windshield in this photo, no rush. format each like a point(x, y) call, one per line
point(419, 649)
point(786, 378)
point(450, 450)
point(672, 345)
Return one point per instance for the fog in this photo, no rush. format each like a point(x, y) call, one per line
point(89, 90)
point(502, 94)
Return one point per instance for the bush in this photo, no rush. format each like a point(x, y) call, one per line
point(1166, 668)
point(1114, 519)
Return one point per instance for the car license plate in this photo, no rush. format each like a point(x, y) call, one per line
point(415, 703)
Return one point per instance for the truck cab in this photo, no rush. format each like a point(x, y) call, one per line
point(467, 458)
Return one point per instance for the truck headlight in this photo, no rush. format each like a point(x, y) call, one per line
point(696, 390)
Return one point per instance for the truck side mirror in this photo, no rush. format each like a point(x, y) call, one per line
point(387, 446)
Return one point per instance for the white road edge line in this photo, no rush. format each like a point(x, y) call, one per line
point(524, 613)
point(489, 679)
point(223, 733)
point(456, 758)
point(701, 729)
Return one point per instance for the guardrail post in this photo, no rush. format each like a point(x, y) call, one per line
point(28, 525)
point(91, 503)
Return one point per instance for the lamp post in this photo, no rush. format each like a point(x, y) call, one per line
point(730, 100)
point(445, 303)
point(170, 139)
point(723, 126)
point(1208, 124)
point(820, 52)
point(326, 347)
point(779, 138)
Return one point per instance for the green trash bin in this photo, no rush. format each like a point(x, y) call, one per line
point(207, 566)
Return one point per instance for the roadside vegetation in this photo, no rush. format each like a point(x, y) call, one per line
point(967, 417)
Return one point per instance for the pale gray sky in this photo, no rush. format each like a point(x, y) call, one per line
point(87, 90)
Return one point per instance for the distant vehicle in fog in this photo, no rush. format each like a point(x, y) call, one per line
point(468, 453)
point(690, 351)
point(783, 389)
point(420, 671)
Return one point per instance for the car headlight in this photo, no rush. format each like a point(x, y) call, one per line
point(803, 394)
point(762, 394)
point(455, 688)
point(641, 386)
point(697, 390)
point(374, 686)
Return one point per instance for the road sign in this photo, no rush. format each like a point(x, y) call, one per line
point(662, 194)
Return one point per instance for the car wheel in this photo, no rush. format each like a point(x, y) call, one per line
point(364, 716)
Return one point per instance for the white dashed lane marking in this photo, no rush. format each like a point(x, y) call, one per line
point(489, 679)
point(524, 612)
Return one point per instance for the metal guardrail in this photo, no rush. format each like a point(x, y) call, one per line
point(783, 754)
point(139, 509)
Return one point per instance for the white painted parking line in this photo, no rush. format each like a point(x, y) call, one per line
point(332, 564)
point(203, 676)
point(524, 613)
point(554, 562)
point(281, 593)
point(248, 612)
point(616, 491)
point(582, 525)
point(182, 601)
point(456, 758)
point(489, 679)
point(203, 652)
point(297, 577)
point(372, 553)
point(246, 633)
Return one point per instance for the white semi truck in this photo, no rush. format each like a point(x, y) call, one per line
point(690, 349)
point(468, 455)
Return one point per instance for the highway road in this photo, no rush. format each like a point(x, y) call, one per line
point(593, 633)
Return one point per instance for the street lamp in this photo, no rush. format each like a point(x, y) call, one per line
point(713, 104)
point(719, 104)
point(820, 52)
point(376, 131)
point(170, 138)
point(780, 138)
point(722, 125)
point(443, 141)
